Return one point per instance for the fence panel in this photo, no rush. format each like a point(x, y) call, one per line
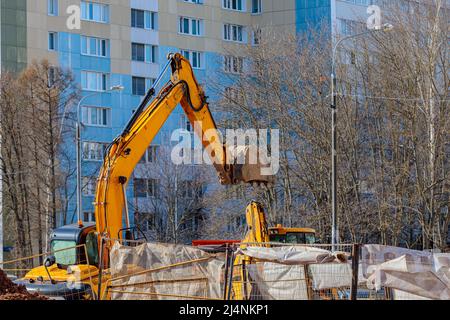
point(154, 271)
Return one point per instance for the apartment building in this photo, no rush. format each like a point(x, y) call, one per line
point(126, 43)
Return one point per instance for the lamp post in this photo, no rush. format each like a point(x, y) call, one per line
point(334, 229)
point(78, 138)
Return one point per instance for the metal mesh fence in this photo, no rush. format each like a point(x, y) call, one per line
point(256, 279)
point(271, 271)
point(154, 271)
point(342, 272)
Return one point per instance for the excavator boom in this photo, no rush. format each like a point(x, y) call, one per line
point(128, 148)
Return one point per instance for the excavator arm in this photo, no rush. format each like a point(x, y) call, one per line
point(124, 153)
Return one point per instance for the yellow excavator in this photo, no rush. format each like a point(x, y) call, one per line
point(259, 234)
point(81, 250)
point(258, 231)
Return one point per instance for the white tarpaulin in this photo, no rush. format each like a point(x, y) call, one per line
point(281, 272)
point(331, 275)
point(165, 271)
point(419, 273)
point(273, 281)
point(293, 255)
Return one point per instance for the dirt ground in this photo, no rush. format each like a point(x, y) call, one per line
point(11, 291)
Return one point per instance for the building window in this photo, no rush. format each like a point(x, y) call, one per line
point(94, 151)
point(256, 6)
point(191, 190)
point(143, 52)
point(140, 188)
point(151, 155)
point(52, 7)
point(139, 87)
point(143, 19)
point(96, 116)
point(152, 188)
point(96, 12)
point(51, 76)
point(233, 32)
point(256, 37)
point(233, 64)
point(94, 81)
point(185, 123)
point(52, 41)
point(190, 26)
point(349, 27)
point(194, 1)
point(89, 186)
point(94, 46)
point(88, 216)
point(234, 96)
point(144, 188)
point(238, 5)
point(195, 58)
point(146, 221)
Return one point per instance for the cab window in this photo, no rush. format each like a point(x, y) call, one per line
point(91, 248)
point(64, 251)
point(278, 238)
point(310, 238)
point(296, 237)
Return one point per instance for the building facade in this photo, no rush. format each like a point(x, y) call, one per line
point(126, 43)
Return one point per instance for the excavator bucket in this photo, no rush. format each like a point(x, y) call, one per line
point(251, 167)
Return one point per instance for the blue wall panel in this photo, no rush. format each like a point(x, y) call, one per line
point(312, 14)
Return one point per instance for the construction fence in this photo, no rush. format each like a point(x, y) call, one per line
point(276, 272)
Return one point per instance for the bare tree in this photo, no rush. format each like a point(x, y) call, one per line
point(34, 125)
point(393, 127)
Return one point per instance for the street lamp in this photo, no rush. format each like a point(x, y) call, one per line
point(334, 231)
point(78, 138)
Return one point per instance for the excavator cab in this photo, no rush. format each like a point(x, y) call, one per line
point(74, 257)
point(280, 234)
point(64, 242)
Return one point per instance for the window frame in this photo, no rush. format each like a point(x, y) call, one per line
point(194, 1)
point(147, 183)
point(86, 113)
point(98, 46)
point(87, 145)
point(150, 19)
point(230, 5)
point(55, 6)
point(150, 52)
point(189, 55)
point(55, 41)
point(231, 33)
point(199, 26)
point(89, 186)
point(90, 16)
point(104, 80)
point(260, 7)
point(232, 64)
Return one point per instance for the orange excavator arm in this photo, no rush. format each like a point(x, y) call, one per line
point(124, 153)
